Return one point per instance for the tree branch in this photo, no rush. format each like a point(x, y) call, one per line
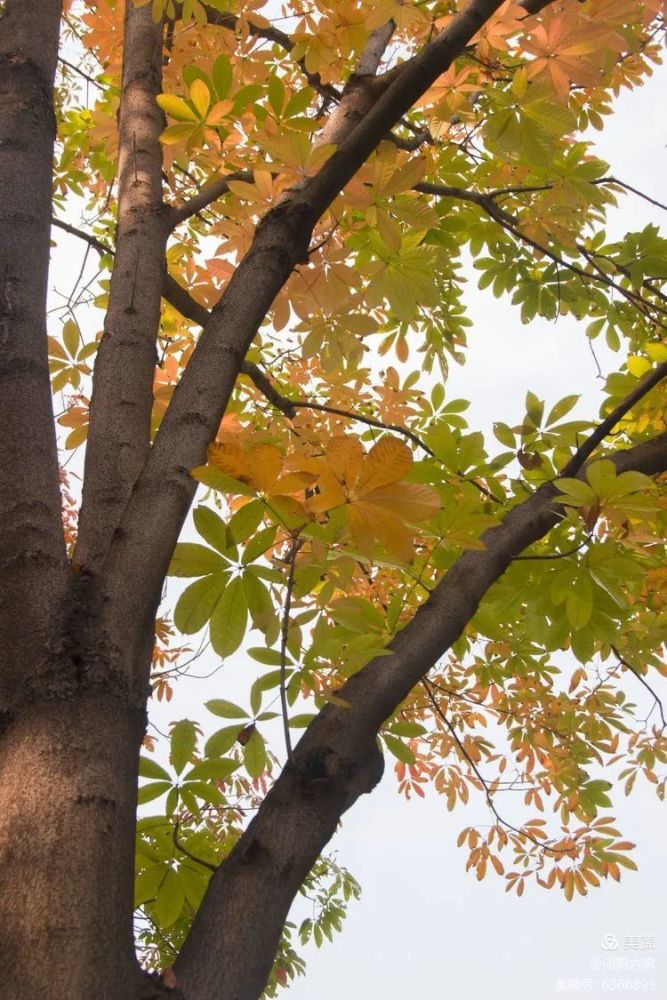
point(208, 194)
point(122, 397)
point(32, 547)
point(600, 433)
point(642, 680)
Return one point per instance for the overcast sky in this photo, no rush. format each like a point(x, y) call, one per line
point(424, 927)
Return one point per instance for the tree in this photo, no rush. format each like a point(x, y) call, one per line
point(265, 203)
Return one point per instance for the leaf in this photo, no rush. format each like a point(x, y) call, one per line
point(190, 559)
point(561, 409)
point(221, 741)
point(153, 790)
point(222, 76)
point(151, 769)
point(218, 768)
point(254, 755)
point(169, 901)
point(212, 528)
point(71, 337)
point(174, 134)
point(229, 618)
point(182, 743)
point(200, 96)
point(246, 521)
point(176, 107)
point(399, 749)
point(226, 709)
point(198, 601)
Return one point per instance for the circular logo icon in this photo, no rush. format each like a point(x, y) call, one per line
point(610, 942)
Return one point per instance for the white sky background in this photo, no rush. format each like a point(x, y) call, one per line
point(424, 927)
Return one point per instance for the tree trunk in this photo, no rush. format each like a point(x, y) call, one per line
point(67, 824)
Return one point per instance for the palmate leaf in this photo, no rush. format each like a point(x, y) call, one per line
point(377, 504)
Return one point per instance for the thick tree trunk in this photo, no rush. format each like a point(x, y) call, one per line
point(67, 816)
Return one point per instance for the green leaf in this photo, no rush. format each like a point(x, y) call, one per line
point(71, 337)
point(152, 791)
point(229, 619)
point(222, 76)
point(399, 749)
point(148, 882)
point(212, 528)
point(270, 657)
point(221, 741)
point(258, 545)
point(177, 133)
point(218, 480)
point(246, 520)
point(259, 600)
point(182, 744)
point(534, 408)
point(298, 103)
point(216, 768)
point(169, 901)
point(150, 769)
point(561, 409)
point(198, 602)
point(276, 94)
point(254, 755)
point(190, 559)
point(409, 729)
point(226, 709)
point(505, 435)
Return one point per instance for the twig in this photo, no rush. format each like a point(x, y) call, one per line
point(284, 631)
point(189, 854)
point(557, 555)
point(289, 406)
point(643, 681)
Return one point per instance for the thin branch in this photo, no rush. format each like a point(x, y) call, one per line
point(289, 406)
point(92, 241)
point(80, 72)
point(193, 857)
point(642, 680)
point(208, 194)
point(557, 555)
point(284, 636)
point(276, 37)
point(603, 429)
point(485, 201)
point(504, 219)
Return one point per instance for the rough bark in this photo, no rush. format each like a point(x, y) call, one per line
point(67, 818)
point(32, 552)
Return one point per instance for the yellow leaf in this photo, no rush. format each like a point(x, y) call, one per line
point(200, 96)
